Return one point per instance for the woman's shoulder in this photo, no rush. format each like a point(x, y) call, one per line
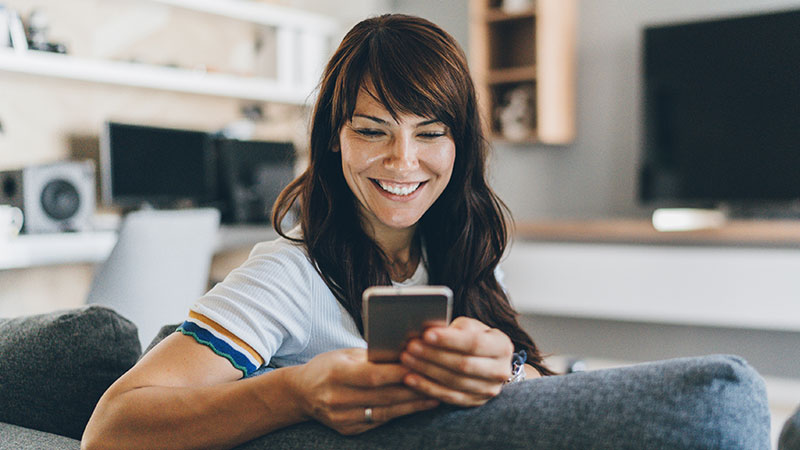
point(281, 260)
point(281, 246)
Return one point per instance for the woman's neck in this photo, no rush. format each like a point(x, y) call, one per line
point(399, 247)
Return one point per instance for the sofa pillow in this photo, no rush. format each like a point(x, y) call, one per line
point(54, 367)
point(790, 435)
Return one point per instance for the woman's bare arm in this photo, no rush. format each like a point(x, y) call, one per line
point(182, 395)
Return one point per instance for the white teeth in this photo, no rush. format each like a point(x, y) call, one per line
point(399, 190)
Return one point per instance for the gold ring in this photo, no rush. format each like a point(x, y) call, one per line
point(368, 415)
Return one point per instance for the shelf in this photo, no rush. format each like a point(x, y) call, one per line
point(534, 48)
point(748, 233)
point(36, 250)
point(511, 75)
point(154, 77)
point(303, 44)
point(260, 13)
point(93, 247)
point(527, 141)
point(498, 15)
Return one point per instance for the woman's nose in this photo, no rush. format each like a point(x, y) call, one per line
point(403, 154)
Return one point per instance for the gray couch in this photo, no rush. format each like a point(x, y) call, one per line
point(54, 367)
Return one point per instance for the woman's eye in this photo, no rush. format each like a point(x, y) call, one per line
point(432, 134)
point(369, 132)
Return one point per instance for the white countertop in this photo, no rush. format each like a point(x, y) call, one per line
point(34, 250)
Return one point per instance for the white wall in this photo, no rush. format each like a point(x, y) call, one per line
point(596, 175)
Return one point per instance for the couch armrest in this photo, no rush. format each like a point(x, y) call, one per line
point(21, 438)
point(708, 402)
point(790, 434)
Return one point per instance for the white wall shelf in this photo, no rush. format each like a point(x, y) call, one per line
point(153, 77)
point(59, 248)
point(303, 42)
point(260, 13)
point(92, 247)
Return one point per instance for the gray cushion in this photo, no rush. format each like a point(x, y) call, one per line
point(790, 435)
point(165, 331)
point(54, 367)
point(713, 402)
point(13, 437)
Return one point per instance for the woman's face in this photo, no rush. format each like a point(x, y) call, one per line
point(396, 169)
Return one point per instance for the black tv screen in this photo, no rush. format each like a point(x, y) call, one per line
point(156, 166)
point(722, 112)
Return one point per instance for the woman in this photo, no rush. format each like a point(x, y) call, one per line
point(395, 193)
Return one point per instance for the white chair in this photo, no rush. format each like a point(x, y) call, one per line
point(158, 268)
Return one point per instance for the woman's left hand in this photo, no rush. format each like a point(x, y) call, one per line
point(464, 364)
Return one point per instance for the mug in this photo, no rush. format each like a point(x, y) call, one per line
point(11, 219)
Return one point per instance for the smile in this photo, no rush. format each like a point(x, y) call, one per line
point(401, 189)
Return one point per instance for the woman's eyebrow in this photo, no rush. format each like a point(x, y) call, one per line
point(428, 122)
point(373, 118)
point(385, 122)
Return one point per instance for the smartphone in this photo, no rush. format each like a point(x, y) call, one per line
point(394, 315)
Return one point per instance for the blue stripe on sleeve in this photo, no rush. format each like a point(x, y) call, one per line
point(220, 347)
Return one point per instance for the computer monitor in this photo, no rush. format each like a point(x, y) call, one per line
point(251, 175)
point(161, 167)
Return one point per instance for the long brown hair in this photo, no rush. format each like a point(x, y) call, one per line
point(414, 67)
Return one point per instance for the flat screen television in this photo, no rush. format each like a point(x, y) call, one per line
point(722, 113)
point(160, 167)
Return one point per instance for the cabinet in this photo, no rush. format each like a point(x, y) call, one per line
point(743, 275)
point(522, 56)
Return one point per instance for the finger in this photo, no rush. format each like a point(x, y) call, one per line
point(383, 414)
point(489, 342)
point(494, 369)
point(446, 394)
point(366, 374)
point(383, 396)
point(450, 379)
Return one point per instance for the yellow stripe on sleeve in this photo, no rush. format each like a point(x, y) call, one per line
point(221, 330)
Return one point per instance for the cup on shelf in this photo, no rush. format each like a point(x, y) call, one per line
point(11, 219)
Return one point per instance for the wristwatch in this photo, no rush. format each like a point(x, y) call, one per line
point(517, 367)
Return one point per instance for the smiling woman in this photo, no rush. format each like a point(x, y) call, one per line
point(395, 194)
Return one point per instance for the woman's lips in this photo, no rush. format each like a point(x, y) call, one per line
point(396, 189)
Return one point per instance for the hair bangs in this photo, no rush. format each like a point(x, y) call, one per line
point(407, 76)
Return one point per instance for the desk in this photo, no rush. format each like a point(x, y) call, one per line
point(36, 250)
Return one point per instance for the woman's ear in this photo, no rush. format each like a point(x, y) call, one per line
point(335, 147)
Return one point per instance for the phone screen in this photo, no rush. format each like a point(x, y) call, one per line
point(393, 316)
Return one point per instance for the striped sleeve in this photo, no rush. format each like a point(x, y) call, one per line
point(209, 333)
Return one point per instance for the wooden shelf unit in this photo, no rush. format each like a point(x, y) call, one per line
point(533, 49)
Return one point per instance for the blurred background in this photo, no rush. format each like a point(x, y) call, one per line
point(607, 119)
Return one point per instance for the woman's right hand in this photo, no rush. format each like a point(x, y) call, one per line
point(336, 388)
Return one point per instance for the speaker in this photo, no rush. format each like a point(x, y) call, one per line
point(53, 197)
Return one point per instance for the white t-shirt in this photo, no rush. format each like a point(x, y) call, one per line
point(275, 309)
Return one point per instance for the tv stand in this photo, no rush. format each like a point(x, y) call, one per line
point(773, 212)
